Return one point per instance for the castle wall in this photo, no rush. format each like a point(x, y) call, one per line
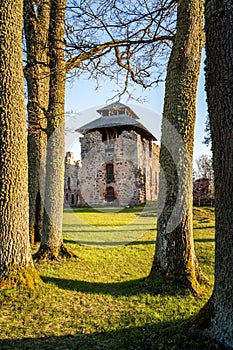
point(135, 169)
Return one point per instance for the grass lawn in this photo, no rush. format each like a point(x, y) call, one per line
point(102, 300)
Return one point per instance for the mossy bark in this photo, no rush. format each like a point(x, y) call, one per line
point(219, 83)
point(25, 277)
point(175, 259)
point(36, 25)
point(16, 266)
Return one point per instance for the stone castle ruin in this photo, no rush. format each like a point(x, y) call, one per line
point(119, 162)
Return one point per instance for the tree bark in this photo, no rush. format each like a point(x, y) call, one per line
point(52, 242)
point(219, 83)
point(36, 26)
point(175, 259)
point(16, 266)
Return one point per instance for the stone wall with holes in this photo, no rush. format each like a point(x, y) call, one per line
point(135, 175)
point(92, 172)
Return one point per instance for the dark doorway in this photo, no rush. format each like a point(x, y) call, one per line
point(110, 194)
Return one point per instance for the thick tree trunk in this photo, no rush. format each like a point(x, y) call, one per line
point(219, 85)
point(52, 242)
point(36, 25)
point(175, 259)
point(16, 266)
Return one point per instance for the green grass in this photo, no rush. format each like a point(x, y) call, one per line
point(102, 300)
point(108, 226)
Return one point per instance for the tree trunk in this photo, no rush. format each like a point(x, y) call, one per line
point(16, 266)
point(175, 259)
point(219, 83)
point(36, 25)
point(52, 242)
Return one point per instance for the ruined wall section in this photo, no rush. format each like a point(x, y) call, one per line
point(148, 164)
point(71, 181)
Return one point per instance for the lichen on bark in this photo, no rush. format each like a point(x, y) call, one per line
point(175, 259)
point(16, 265)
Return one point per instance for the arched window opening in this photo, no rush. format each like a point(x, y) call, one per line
point(72, 198)
point(109, 173)
point(68, 183)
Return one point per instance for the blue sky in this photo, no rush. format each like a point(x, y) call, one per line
point(82, 100)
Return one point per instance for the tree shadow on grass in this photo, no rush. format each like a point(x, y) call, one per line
point(204, 240)
point(78, 227)
point(126, 288)
point(203, 228)
point(102, 209)
point(95, 243)
point(161, 336)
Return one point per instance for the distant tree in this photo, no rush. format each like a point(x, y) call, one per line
point(175, 260)
point(219, 83)
point(16, 266)
point(207, 137)
point(203, 181)
point(205, 167)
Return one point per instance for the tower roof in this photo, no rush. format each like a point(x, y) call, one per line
point(116, 115)
point(117, 108)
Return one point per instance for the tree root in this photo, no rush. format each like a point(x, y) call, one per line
point(201, 278)
point(184, 279)
point(202, 320)
point(46, 253)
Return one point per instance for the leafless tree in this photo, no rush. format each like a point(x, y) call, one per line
point(128, 42)
point(205, 167)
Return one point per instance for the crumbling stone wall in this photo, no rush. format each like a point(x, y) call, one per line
point(148, 160)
